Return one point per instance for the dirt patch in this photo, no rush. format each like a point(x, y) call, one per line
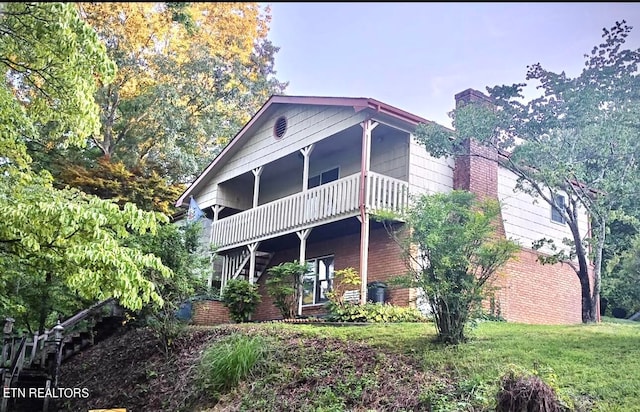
point(130, 371)
point(299, 373)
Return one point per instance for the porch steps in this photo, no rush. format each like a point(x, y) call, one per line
point(240, 262)
point(262, 262)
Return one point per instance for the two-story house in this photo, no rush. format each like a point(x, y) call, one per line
point(302, 178)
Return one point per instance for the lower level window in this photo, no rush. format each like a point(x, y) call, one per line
point(318, 281)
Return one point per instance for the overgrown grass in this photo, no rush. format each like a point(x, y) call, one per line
point(597, 367)
point(229, 361)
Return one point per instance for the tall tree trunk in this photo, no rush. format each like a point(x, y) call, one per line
point(597, 270)
point(588, 306)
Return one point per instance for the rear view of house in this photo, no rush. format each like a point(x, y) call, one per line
point(302, 178)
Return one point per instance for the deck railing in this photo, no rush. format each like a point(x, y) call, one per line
point(323, 204)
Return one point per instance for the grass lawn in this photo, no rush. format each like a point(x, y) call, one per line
point(595, 366)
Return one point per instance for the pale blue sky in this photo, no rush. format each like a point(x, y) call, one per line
point(416, 56)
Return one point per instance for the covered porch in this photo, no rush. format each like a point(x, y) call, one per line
point(347, 176)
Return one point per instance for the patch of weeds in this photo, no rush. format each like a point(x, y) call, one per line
point(438, 397)
point(327, 400)
point(476, 392)
point(229, 361)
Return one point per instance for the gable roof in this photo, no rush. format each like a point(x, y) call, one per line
point(358, 104)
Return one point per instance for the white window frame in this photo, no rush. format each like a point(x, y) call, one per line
point(319, 176)
point(316, 281)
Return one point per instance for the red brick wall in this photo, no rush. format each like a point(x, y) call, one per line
point(209, 312)
point(540, 294)
point(529, 292)
point(384, 262)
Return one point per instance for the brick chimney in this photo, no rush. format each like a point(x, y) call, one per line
point(478, 171)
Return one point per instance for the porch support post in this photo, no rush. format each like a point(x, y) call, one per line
point(216, 215)
point(252, 260)
point(367, 128)
point(302, 235)
point(306, 154)
point(216, 212)
point(256, 184)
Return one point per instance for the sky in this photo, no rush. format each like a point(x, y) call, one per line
point(417, 56)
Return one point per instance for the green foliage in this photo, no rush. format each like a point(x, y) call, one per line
point(284, 286)
point(343, 280)
point(621, 287)
point(64, 243)
point(452, 253)
point(241, 298)
point(373, 313)
point(190, 76)
point(109, 179)
point(53, 60)
point(229, 361)
point(60, 248)
point(567, 357)
point(578, 138)
point(178, 249)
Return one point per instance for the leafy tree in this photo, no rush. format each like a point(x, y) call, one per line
point(112, 180)
point(189, 76)
point(51, 60)
point(59, 245)
point(579, 138)
point(452, 252)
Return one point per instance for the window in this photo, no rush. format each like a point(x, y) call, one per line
point(555, 215)
point(318, 281)
point(324, 177)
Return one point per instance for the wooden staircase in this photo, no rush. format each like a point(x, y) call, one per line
point(236, 265)
point(34, 361)
point(262, 262)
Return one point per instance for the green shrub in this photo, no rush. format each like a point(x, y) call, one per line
point(343, 280)
point(374, 313)
point(452, 254)
point(241, 298)
point(284, 285)
point(229, 361)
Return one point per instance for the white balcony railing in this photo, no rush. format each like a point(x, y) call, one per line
point(323, 204)
point(386, 193)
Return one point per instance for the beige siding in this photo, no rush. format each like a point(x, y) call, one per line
point(526, 220)
point(230, 196)
point(428, 174)
point(390, 154)
point(290, 180)
point(347, 160)
point(305, 125)
point(208, 195)
point(288, 183)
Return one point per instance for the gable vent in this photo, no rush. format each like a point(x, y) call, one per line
point(280, 127)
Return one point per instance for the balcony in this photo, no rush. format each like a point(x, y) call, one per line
point(323, 204)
